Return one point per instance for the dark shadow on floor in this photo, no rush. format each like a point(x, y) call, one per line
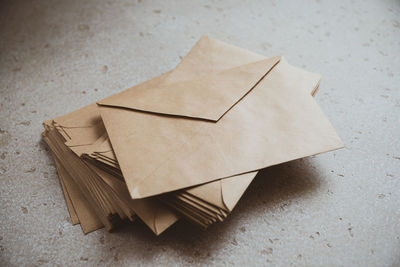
point(272, 189)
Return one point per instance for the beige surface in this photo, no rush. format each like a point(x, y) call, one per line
point(338, 209)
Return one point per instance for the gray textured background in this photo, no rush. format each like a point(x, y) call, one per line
point(336, 209)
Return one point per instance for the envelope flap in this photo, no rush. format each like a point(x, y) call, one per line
point(85, 117)
point(209, 192)
point(163, 219)
point(207, 98)
point(234, 187)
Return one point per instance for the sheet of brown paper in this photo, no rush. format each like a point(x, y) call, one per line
point(274, 122)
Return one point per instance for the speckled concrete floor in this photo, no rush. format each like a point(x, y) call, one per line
point(336, 209)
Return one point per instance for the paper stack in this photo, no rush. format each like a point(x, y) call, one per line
point(188, 143)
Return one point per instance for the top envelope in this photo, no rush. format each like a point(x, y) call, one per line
point(222, 112)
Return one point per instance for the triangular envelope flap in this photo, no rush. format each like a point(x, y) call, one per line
point(210, 192)
point(224, 193)
point(84, 117)
point(234, 187)
point(80, 136)
point(206, 98)
point(163, 219)
point(80, 127)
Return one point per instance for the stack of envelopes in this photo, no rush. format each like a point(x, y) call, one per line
point(188, 143)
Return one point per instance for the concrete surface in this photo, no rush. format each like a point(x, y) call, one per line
point(336, 209)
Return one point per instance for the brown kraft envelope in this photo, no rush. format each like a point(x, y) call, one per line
point(222, 112)
point(82, 128)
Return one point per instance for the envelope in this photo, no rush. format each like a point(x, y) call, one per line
point(78, 206)
point(221, 113)
point(236, 57)
point(209, 202)
point(81, 130)
point(68, 201)
point(215, 200)
point(85, 181)
point(82, 127)
point(206, 200)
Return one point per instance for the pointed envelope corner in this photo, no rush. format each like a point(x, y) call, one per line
point(163, 219)
point(234, 187)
